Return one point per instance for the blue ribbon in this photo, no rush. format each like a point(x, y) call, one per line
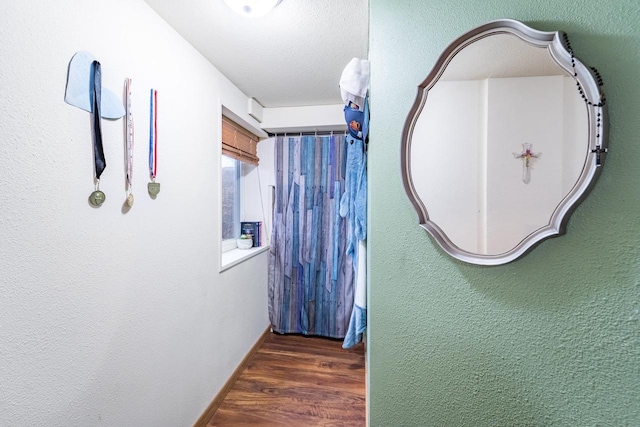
point(98, 151)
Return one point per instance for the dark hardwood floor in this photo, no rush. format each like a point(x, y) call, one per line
point(298, 381)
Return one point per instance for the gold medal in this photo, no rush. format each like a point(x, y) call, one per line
point(153, 188)
point(97, 198)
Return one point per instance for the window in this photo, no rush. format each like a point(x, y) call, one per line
point(230, 202)
point(239, 148)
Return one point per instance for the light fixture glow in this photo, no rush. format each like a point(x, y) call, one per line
point(252, 8)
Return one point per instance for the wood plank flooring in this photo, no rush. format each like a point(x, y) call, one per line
point(297, 381)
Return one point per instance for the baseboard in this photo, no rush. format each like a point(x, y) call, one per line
point(217, 401)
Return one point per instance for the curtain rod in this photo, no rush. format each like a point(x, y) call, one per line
point(322, 133)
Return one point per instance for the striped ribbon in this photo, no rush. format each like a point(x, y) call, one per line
point(129, 140)
point(153, 134)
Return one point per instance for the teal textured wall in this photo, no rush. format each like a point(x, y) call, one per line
point(551, 339)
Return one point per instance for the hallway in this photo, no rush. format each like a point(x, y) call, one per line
point(298, 381)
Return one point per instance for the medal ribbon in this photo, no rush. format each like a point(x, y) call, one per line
point(153, 134)
point(98, 151)
point(129, 143)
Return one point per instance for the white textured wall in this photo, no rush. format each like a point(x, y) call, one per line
point(320, 118)
point(109, 317)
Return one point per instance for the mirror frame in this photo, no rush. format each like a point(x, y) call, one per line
point(558, 47)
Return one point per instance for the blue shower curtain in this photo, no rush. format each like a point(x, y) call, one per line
point(311, 279)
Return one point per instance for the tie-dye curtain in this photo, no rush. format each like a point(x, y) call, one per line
point(311, 280)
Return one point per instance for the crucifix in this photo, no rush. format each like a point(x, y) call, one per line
point(526, 157)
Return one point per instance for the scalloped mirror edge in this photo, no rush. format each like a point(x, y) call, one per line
point(588, 80)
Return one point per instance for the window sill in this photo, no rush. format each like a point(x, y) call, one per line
point(237, 256)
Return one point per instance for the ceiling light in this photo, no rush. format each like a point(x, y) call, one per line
point(252, 8)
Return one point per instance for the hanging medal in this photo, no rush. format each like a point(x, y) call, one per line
point(153, 187)
point(129, 140)
point(97, 198)
point(84, 90)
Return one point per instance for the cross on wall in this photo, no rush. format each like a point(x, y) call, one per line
point(527, 155)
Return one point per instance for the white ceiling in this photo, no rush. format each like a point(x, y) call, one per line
point(500, 56)
point(294, 56)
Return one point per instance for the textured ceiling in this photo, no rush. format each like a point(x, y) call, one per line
point(500, 56)
point(292, 57)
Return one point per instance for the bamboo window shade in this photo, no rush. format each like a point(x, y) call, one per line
point(239, 143)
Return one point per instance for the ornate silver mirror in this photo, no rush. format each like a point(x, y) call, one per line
point(506, 137)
